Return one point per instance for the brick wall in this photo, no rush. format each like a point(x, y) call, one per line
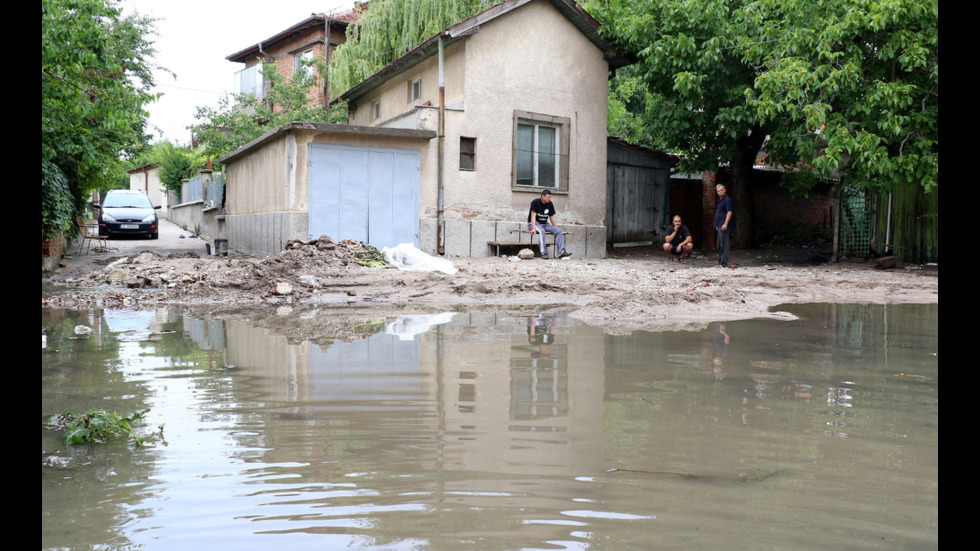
point(773, 205)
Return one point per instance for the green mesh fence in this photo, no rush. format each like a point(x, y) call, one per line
point(855, 223)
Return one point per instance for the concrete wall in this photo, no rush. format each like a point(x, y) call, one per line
point(147, 180)
point(267, 184)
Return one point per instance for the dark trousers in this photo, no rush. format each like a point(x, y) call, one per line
point(722, 244)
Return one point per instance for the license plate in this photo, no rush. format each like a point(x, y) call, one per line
point(129, 226)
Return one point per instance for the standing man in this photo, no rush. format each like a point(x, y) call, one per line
point(723, 219)
point(680, 242)
point(541, 219)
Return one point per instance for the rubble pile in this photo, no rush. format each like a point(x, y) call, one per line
point(302, 268)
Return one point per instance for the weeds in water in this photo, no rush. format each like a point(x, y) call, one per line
point(98, 426)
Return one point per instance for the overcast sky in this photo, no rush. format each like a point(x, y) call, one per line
point(193, 39)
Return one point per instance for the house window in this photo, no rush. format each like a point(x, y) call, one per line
point(414, 89)
point(541, 150)
point(249, 81)
point(376, 110)
point(302, 61)
point(467, 153)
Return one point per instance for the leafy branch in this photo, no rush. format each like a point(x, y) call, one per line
point(98, 426)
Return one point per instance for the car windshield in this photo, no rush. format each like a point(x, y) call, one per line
point(127, 200)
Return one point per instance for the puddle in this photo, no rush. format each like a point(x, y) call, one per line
point(463, 431)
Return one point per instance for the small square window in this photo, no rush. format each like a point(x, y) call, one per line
point(415, 89)
point(467, 153)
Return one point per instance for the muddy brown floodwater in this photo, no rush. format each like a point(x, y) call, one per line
point(469, 431)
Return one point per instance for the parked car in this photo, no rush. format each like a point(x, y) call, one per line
point(128, 212)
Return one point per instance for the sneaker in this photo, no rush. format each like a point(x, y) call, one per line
point(565, 255)
point(544, 256)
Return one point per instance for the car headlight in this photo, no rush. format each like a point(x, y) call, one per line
point(107, 218)
point(150, 218)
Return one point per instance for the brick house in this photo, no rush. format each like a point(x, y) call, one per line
point(312, 38)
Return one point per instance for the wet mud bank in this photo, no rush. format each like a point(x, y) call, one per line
point(302, 289)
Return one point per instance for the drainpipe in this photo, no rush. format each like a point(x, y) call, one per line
point(326, 70)
point(888, 226)
point(268, 58)
point(440, 231)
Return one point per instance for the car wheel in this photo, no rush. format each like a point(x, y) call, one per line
point(155, 235)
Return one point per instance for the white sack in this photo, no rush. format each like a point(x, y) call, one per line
point(406, 327)
point(406, 257)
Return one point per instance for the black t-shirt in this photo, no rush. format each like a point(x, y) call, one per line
point(541, 211)
point(682, 234)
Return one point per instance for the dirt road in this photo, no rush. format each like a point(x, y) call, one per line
point(632, 289)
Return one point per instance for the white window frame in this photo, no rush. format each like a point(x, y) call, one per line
point(250, 81)
point(301, 60)
point(536, 121)
point(376, 110)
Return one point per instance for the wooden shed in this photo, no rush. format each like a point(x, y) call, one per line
point(637, 193)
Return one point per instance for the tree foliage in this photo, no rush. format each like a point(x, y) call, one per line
point(241, 118)
point(853, 84)
point(386, 30)
point(831, 87)
point(96, 78)
point(696, 107)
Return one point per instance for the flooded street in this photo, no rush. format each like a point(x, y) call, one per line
point(493, 431)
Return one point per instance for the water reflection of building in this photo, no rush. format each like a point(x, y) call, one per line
point(508, 408)
point(490, 398)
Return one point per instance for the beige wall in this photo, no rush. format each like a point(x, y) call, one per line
point(149, 182)
point(531, 59)
point(256, 182)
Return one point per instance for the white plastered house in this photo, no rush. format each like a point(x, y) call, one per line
point(447, 145)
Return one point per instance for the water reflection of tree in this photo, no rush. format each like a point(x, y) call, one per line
point(99, 483)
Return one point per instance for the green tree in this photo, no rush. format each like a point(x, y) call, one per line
point(241, 118)
point(96, 78)
point(388, 29)
point(697, 84)
point(848, 87)
point(852, 84)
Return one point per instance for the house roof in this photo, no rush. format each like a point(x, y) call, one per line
point(584, 22)
point(664, 156)
point(342, 18)
point(325, 128)
point(144, 168)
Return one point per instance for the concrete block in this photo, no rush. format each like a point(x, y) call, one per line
point(482, 231)
point(457, 237)
point(506, 230)
point(427, 236)
point(575, 242)
point(595, 242)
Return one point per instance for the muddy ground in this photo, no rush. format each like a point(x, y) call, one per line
point(634, 288)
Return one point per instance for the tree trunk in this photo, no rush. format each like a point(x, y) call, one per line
point(742, 188)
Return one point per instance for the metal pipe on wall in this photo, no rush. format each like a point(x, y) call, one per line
point(440, 221)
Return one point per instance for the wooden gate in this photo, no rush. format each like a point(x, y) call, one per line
point(636, 193)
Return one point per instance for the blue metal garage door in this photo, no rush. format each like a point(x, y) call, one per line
point(367, 194)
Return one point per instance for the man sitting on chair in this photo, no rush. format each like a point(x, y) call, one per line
point(541, 219)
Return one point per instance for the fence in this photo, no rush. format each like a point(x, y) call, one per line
point(199, 205)
point(857, 211)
